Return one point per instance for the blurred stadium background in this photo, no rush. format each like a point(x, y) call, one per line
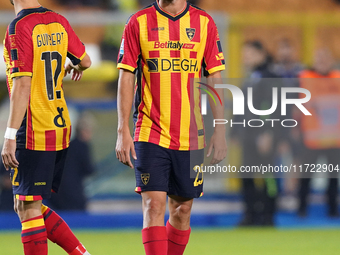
point(111, 202)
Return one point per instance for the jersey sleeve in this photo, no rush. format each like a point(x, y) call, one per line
point(130, 46)
point(213, 55)
point(76, 49)
point(19, 48)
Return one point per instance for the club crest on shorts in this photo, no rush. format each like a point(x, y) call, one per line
point(145, 178)
point(191, 33)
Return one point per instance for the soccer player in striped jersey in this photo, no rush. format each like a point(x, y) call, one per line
point(167, 44)
point(36, 45)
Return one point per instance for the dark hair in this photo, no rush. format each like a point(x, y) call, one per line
point(256, 44)
point(194, 2)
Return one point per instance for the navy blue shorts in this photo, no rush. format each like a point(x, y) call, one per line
point(39, 173)
point(161, 169)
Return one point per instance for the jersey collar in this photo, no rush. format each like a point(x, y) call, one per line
point(170, 16)
point(29, 9)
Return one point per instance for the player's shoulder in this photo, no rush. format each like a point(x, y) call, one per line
point(199, 11)
point(148, 9)
point(27, 18)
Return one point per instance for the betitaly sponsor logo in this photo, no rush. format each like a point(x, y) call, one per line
point(175, 45)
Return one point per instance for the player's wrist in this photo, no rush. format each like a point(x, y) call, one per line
point(123, 129)
point(220, 129)
point(11, 133)
point(79, 67)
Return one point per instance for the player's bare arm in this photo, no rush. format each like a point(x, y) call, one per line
point(77, 73)
point(218, 141)
point(124, 144)
point(18, 106)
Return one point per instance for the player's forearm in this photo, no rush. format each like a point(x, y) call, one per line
point(218, 109)
point(19, 101)
point(125, 98)
point(85, 63)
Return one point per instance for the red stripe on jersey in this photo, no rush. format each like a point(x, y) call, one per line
point(50, 140)
point(152, 26)
point(154, 54)
point(195, 22)
point(64, 138)
point(176, 105)
point(29, 130)
point(69, 135)
point(193, 54)
point(155, 114)
point(193, 125)
point(175, 54)
point(174, 30)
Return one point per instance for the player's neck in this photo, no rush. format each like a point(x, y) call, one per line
point(19, 5)
point(173, 7)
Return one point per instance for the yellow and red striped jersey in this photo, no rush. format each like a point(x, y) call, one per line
point(168, 52)
point(37, 43)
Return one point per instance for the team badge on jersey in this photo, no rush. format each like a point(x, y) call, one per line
point(191, 33)
point(145, 178)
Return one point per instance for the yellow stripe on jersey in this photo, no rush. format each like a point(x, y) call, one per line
point(127, 67)
point(83, 56)
point(43, 209)
point(165, 86)
point(33, 224)
point(147, 98)
point(20, 74)
point(216, 69)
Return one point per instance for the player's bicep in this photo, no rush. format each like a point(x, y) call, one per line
point(215, 75)
point(126, 78)
point(85, 62)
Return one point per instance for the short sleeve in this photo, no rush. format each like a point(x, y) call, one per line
point(76, 49)
point(130, 46)
point(213, 54)
point(19, 46)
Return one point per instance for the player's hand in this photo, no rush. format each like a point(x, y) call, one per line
point(8, 154)
point(218, 143)
point(124, 146)
point(77, 73)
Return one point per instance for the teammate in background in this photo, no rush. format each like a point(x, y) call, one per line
point(168, 44)
point(37, 43)
point(286, 65)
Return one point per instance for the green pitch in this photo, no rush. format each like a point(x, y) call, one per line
point(202, 242)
